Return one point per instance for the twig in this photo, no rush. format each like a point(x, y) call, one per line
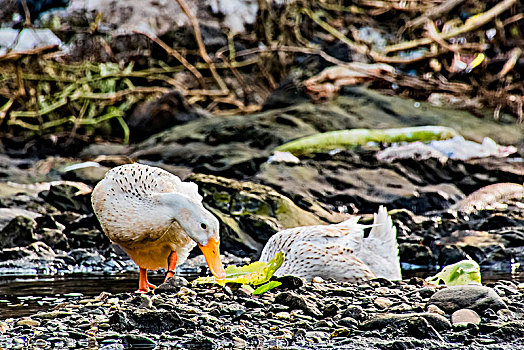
point(363, 49)
point(471, 24)
point(26, 13)
point(434, 34)
point(5, 108)
point(513, 19)
point(201, 46)
point(433, 12)
point(173, 52)
point(508, 66)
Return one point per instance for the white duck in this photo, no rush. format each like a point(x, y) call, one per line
point(338, 251)
point(156, 218)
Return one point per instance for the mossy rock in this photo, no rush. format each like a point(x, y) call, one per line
point(249, 213)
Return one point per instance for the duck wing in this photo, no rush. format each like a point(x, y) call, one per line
point(308, 260)
point(347, 234)
point(143, 180)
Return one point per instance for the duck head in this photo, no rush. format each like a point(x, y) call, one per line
point(199, 224)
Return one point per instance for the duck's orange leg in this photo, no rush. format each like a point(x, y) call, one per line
point(171, 264)
point(143, 284)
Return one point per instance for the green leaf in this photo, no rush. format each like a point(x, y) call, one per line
point(265, 287)
point(248, 288)
point(256, 273)
point(461, 273)
point(324, 142)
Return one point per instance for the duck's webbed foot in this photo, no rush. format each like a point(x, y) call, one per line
point(171, 264)
point(143, 284)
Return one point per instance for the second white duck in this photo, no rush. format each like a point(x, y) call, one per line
point(338, 251)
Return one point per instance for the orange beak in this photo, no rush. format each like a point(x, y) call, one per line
point(212, 255)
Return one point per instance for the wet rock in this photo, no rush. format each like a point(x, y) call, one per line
point(295, 301)
point(87, 238)
point(54, 238)
point(330, 310)
point(68, 197)
point(477, 298)
point(245, 207)
point(42, 250)
point(348, 322)
point(416, 254)
point(440, 323)
point(172, 285)
point(153, 117)
point(290, 282)
point(150, 321)
point(20, 231)
point(8, 214)
point(87, 258)
point(138, 341)
point(355, 312)
point(451, 254)
point(464, 316)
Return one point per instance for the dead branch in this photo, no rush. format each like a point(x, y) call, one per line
point(201, 46)
point(173, 52)
point(471, 24)
point(432, 13)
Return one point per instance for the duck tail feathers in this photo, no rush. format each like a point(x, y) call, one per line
point(383, 240)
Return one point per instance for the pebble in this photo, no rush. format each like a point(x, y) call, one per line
point(364, 316)
point(383, 303)
point(465, 316)
point(435, 310)
point(283, 315)
point(28, 322)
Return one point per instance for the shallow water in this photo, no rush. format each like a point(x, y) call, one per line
point(22, 296)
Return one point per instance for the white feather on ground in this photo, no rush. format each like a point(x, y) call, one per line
point(338, 251)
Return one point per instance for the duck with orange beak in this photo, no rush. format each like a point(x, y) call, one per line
point(157, 219)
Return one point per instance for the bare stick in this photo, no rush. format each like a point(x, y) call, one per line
point(173, 52)
point(433, 12)
point(471, 24)
point(201, 46)
point(363, 49)
point(510, 64)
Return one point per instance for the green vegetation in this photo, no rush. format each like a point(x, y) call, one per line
point(463, 272)
point(350, 138)
point(255, 274)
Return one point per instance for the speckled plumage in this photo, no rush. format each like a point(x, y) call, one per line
point(338, 251)
point(128, 209)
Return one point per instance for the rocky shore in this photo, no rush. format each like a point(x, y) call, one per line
point(378, 314)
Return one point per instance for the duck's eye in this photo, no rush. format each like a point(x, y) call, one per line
point(204, 226)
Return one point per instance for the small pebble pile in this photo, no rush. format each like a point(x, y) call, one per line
point(377, 314)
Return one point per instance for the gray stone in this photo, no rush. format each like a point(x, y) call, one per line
point(440, 323)
point(69, 197)
point(172, 285)
point(475, 297)
point(8, 214)
point(355, 312)
point(465, 316)
point(20, 231)
point(295, 301)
